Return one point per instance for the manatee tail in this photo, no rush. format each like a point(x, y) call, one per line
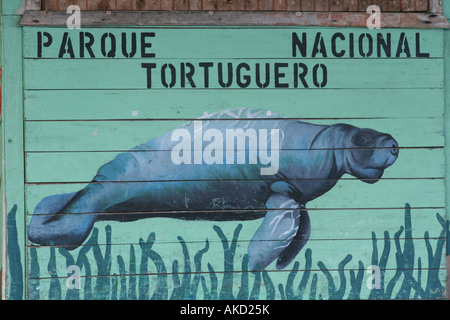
point(50, 226)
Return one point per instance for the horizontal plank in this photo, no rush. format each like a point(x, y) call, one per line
point(63, 136)
point(346, 194)
point(237, 18)
point(139, 74)
point(245, 286)
point(190, 104)
point(326, 224)
point(59, 167)
point(226, 43)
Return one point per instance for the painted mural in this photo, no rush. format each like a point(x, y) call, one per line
point(305, 161)
point(269, 163)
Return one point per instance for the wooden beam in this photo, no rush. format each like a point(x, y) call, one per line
point(236, 18)
point(436, 6)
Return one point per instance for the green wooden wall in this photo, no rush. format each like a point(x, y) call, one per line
point(65, 116)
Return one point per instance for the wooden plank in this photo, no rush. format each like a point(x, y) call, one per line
point(280, 5)
point(181, 4)
point(245, 43)
point(195, 5)
point(394, 6)
point(190, 104)
point(407, 5)
point(293, 5)
point(265, 5)
point(237, 18)
point(383, 4)
point(167, 4)
point(337, 5)
point(307, 5)
point(322, 5)
point(327, 226)
point(346, 194)
point(59, 167)
point(233, 285)
point(96, 4)
point(123, 5)
point(351, 5)
point(50, 5)
point(436, 6)
point(138, 5)
point(13, 159)
point(64, 4)
point(364, 4)
point(152, 4)
point(210, 4)
point(120, 136)
point(95, 74)
point(251, 5)
point(83, 4)
point(237, 5)
point(421, 5)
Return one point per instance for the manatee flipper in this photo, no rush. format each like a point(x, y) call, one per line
point(281, 234)
point(48, 227)
point(297, 243)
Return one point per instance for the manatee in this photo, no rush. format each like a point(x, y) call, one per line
point(151, 180)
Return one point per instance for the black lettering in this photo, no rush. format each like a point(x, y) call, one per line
point(145, 44)
point(351, 45)
point(279, 75)
point(66, 42)
point(297, 44)
point(258, 76)
point(386, 44)
point(149, 67)
point(133, 45)
point(188, 75)
point(86, 45)
point(361, 45)
point(333, 45)
point(403, 46)
point(112, 51)
point(246, 77)
point(418, 53)
point(300, 76)
point(206, 66)
point(230, 75)
point(319, 46)
point(40, 44)
point(172, 75)
point(324, 75)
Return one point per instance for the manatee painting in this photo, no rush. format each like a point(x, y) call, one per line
point(231, 165)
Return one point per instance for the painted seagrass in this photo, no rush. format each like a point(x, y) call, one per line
point(263, 163)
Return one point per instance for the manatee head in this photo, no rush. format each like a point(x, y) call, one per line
point(366, 153)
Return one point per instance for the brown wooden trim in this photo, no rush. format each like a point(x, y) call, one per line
point(235, 18)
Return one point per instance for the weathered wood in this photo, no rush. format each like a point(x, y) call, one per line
point(351, 5)
point(138, 5)
point(181, 4)
point(265, 5)
point(123, 5)
point(382, 4)
point(307, 5)
point(408, 5)
point(322, 5)
point(337, 5)
point(394, 5)
point(247, 18)
point(435, 6)
point(50, 5)
point(280, 5)
point(109, 4)
point(422, 5)
point(153, 5)
point(293, 5)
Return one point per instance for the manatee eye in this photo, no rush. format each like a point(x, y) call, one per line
point(360, 140)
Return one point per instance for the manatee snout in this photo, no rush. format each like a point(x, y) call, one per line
point(389, 147)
